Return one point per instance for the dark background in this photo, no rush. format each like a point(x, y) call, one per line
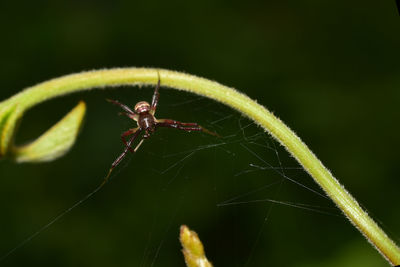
point(330, 70)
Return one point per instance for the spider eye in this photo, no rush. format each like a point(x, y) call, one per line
point(142, 107)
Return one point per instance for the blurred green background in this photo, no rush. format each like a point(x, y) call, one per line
point(330, 70)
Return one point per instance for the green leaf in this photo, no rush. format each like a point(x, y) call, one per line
point(56, 141)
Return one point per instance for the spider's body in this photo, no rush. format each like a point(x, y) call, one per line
point(143, 114)
point(147, 122)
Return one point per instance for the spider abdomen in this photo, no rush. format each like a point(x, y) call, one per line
point(147, 122)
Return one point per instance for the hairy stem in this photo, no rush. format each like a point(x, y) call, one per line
point(236, 100)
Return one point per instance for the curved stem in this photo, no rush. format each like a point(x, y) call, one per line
point(236, 100)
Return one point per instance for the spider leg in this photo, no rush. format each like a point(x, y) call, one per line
point(123, 154)
point(124, 107)
point(127, 147)
point(125, 134)
point(185, 126)
point(156, 95)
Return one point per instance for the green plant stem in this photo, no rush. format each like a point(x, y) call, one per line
point(236, 100)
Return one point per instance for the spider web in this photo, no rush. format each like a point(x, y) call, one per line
point(204, 182)
point(257, 159)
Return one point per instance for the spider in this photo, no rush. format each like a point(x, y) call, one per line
point(143, 114)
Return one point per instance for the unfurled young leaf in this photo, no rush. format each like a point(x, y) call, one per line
point(56, 141)
point(193, 249)
point(7, 125)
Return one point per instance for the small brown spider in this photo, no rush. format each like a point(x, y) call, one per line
point(143, 114)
